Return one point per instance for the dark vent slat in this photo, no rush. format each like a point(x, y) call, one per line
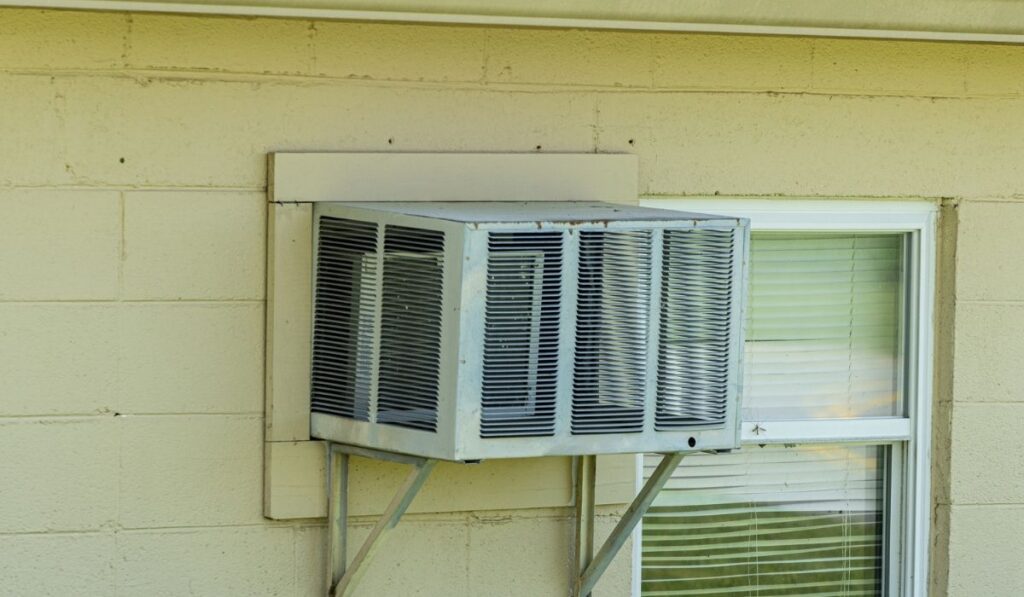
point(613, 308)
point(521, 331)
point(346, 278)
point(696, 320)
point(410, 335)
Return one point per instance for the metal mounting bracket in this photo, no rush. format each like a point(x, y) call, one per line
point(589, 567)
point(342, 578)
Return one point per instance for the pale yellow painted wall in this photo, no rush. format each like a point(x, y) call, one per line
point(132, 180)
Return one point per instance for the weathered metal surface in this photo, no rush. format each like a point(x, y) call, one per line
point(342, 579)
point(584, 469)
point(597, 305)
point(592, 573)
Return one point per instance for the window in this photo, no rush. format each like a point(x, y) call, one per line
point(829, 494)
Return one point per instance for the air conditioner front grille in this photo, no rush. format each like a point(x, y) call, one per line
point(481, 330)
point(521, 333)
point(346, 280)
point(410, 333)
point(695, 328)
point(613, 308)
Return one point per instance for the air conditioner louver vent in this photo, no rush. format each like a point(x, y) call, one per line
point(696, 328)
point(346, 279)
point(521, 331)
point(410, 334)
point(470, 331)
point(613, 309)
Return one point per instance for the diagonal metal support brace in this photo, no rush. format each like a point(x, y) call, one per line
point(341, 578)
point(590, 568)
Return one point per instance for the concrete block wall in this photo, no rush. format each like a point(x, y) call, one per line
point(985, 505)
point(132, 238)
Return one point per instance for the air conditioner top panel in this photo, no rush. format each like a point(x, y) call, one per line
point(522, 212)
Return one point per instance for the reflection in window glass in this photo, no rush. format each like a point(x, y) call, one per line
point(823, 326)
point(768, 521)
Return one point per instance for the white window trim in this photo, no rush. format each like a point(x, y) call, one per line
point(918, 218)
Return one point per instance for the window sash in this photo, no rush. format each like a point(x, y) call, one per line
point(826, 314)
point(803, 431)
point(909, 435)
point(806, 518)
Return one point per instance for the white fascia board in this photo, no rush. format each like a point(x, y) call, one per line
point(287, 10)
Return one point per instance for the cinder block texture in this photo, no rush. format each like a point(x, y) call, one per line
point(993, 69)
point(58, 565)
point(989, 266)
point(987, 454)
point(224, 561)
point(500, 553)
point(58, 358)
point(225, 142)
point(39, 39)
point(184, 357)
point(179, 471)
point(57, 475)
point(888, 67)
point(31, 123)
point(721, 62)
point(800, 145)
point(539, 57)
point(546, 572)
point(59, 245)
point(194, 245)
point(87, 358)
point(265, 46)
point(989, 352)
point(985, 551)
point(375, 51)
point(424, 557)
point(544, 569)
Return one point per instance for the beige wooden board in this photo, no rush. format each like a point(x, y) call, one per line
point(294, 483)
point(315, 177)
point(294, 480)
point(289, 304)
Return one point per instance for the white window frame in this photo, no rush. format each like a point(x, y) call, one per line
point(910, 435)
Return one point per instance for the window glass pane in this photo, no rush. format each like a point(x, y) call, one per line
point(768, 521)
point(823, 326)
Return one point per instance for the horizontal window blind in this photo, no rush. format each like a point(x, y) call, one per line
point(767, 521)
point(823, 326)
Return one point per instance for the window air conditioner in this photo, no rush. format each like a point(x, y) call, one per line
point(465, 331)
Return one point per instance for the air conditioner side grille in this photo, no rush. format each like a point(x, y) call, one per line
point(410, 334)
point(346, 278)
point(613, 307)
point(521, 325)
point(695, 329)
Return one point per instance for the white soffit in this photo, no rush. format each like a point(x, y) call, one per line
point(998, 21)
